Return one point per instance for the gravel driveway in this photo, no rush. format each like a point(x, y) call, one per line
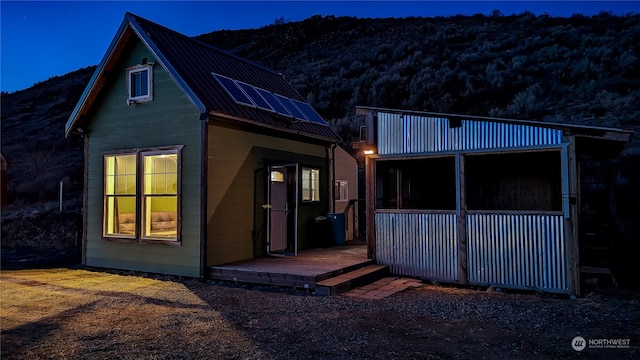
point(89, 314)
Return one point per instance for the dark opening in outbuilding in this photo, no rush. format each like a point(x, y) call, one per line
point(425, 184)
point(514, 181)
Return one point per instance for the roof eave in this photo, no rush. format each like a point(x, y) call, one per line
point(595, 132)
point(90, 88)
point(164, 62)
point(214, 115)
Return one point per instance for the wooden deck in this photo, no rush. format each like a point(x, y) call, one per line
point(302, 271)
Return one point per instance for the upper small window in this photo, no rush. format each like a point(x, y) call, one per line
point(139, 83)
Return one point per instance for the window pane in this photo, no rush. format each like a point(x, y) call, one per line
point(342, 192)
point(310, 184)
point(138, 83)
point(160, 205)
point(315, 184)
point(161, 217)
point(135, 84)
point(144, 82)
point(120, 173)
point(120, 215)
point(161, 174)
point(277, 176)
point(306, 184)
point(120, 195)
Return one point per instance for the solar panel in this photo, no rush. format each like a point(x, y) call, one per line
point(293, 110)
point(247, 94)
point(275, 104)
point(255, 96)
point(309, 112)
point(233, 90)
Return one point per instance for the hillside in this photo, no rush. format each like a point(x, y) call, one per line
point(582, 70)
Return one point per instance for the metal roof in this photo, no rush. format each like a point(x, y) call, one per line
point(190, 63)
point(603, 133)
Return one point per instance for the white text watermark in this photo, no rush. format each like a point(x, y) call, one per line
point(579, 343)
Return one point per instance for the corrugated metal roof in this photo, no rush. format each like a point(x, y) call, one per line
point(190, 63)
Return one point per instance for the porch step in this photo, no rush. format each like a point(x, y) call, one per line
point(349, 280)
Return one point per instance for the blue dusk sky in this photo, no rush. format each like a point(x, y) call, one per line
point(41, 39)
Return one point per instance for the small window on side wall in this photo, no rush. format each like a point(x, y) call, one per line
point(140, 83)
point(310, 184)
point(342, 190)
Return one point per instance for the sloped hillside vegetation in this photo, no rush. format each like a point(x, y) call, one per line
point(580, 70)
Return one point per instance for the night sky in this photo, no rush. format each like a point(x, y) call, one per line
point(44, 39)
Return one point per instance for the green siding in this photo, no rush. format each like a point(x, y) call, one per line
point(235, 158)
point(170, 119)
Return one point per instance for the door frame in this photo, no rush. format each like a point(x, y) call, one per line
point(292, 190)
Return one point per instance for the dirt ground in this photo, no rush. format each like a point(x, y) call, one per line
point(85, 313)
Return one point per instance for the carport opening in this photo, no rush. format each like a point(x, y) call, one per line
point(528, 181)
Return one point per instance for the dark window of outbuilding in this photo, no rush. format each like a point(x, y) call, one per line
point(515, 181)
point(424, 184)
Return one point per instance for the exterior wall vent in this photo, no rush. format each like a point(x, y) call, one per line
point(363, 132)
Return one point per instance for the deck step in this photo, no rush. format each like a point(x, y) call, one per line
point(349, 280)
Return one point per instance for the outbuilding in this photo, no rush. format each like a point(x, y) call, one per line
point(477, 200)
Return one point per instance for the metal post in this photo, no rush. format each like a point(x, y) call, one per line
point(60, 196)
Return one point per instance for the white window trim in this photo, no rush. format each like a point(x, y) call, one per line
point(149, 95)
point(346, 186)
point(311, 188)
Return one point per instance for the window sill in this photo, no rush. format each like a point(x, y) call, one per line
point(139, 100)
point(119, 239)
point(159, 241)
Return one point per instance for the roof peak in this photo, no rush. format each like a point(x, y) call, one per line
point(129, 16)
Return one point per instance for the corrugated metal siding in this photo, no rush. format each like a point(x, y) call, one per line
point(521, 251)
point(420, 245)
point(410, 134)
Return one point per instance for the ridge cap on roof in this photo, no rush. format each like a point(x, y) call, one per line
point(139, 19)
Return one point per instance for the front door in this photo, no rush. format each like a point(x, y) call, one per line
point(283, 209)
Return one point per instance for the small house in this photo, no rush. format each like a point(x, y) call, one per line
point(479, 201)
point(195, 157)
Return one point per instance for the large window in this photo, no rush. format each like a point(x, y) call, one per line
point(140, 83)
point(160, 195)
point(142, 195)
point(426, 184)
point(310, 184)
point(529, 181)
point(120, 195)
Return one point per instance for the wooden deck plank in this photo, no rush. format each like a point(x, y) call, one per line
point(301, 271)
